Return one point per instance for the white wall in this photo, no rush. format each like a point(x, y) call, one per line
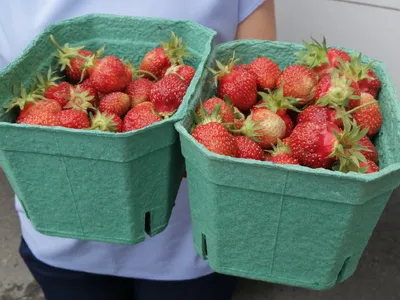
point(358, 24)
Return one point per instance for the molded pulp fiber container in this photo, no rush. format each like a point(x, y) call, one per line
point(98, 186)
point(286, 224)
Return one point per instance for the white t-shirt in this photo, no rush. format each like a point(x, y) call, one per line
point(169, 255)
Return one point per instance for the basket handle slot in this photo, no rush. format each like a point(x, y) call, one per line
point(204, 250)
point(147, 222)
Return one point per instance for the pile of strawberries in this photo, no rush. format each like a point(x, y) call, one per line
point(321, 112)
point(106, 93)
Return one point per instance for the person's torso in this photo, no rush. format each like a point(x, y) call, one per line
point(169, 255)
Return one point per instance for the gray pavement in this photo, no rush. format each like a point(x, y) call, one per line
point(377, 278)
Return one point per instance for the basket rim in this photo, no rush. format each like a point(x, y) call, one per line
point(354, 176)
point(179, 115)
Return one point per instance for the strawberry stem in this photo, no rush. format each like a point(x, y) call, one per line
point(360, 107)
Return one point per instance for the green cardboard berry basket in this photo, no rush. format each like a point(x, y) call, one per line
point(94, 185)
point(286, 224)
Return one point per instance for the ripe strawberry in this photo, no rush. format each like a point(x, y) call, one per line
point(79, 99)
point(139, 90)
point(216, 138)
point(91, 91)
point(263, 126)
point(363, 74)
point(369, 167)
point(281, 154)
point(117, 103)
point(225, 112)
point(338, 91)
point(321, 59)
point(248, 149)
point(167, 94)
point(368, 114)
point(185, 71)
point(50, 106)
point(72, 60)
point(372, 154)
point(41, 118)
point(73, 119)
point(321, 144)
point(105, 122)
point(317, 113)
point(298, 82)
point(267, 72)
point(23, 99)
point(159, 59)
point(236, 83)
point(107, 74)
point(140, 116)
point(60, 92)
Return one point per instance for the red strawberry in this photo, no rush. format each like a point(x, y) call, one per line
point(185, 71)
point(370, 167)
point(105, 122)
point(372, 154)
point(317, 113)
point(91, 91)
point(264, 126)
point(298, 82)
point(140, 116)
point(73, 119)
point(248, 149)
point(159, 59)
point(139, 90)
point(60, 92)
point(72, 60)
point(321, 144)
point(41, 118)
point(368, 114)
point(108, 74)
point(167, 94)
point(117, 103)
point(337, 90)
point(284, 158)
point(236, 83)
point(363, 74)
point(50, 106)
point(225, 112)
point(321, 59)
point(216, 138)
point(281, 154)
point(370, 85)
point(267, 72)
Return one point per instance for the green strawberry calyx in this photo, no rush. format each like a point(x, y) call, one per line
point(21, 96)
point(137, 73)
point(276, 101)
point(102, 121)
point(355, 69)
point(175, 49)
point(223, 69)
point(339, 92)
point(280, 147)
point(314, 55)
point(79, 100)
point(347, 148)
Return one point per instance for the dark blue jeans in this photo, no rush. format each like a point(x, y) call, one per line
point(60, 284)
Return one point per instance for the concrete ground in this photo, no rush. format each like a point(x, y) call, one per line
point(378, 276)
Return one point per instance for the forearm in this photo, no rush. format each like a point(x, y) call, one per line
point(261, 24)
